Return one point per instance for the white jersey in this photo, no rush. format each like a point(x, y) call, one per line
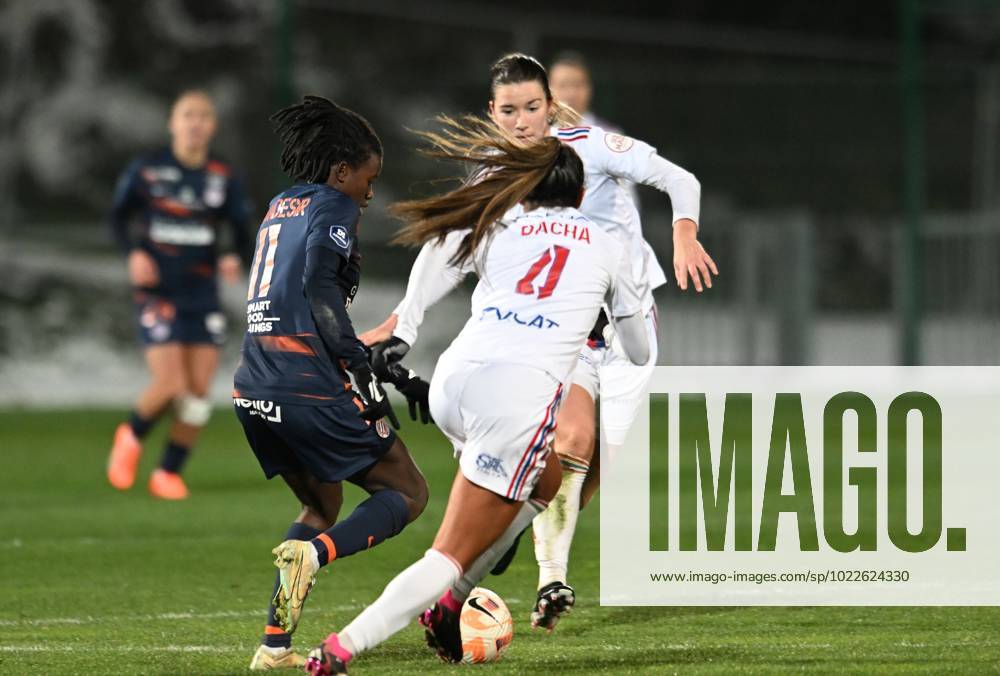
point(543, 278)
point(609, 161)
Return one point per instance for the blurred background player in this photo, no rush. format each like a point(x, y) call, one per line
point(544, 273)
point(299, 412)
point(523, 106)
point(571, 83)
point(166, 217)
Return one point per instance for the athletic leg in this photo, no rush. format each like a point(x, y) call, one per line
point(321, 504)
point(505, 444)
point(554, 528)
point(192, 406)
point(165, 363)
point(398, 494)
point(464, 535)
point(623, 391)
point(593, 480)
point(441, 620)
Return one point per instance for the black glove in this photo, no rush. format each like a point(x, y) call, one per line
point(386, 358)
point(376, 401)
point(387, 364)
point(597, 333)
point(416, 390)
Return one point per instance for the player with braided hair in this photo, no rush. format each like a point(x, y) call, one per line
point(303, 417)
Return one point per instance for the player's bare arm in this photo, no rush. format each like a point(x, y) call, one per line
point(230, 268)
point(380, 333)
point(690, 258)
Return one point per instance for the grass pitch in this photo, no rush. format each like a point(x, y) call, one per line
point(95, 581)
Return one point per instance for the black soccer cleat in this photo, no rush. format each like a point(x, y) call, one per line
point(442, 632)
point(554, 600)
point(500, 567)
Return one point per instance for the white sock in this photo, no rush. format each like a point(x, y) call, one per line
point(405, 597)
point(554, 528)
point(484, 564)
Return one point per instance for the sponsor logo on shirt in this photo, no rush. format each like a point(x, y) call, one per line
point(267, 410)
point(182, 234)
point(538, 321)
point(168, 173)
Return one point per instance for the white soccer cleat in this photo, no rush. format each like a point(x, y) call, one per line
point(267, 658)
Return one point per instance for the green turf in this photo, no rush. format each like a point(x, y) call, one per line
point(95, 581)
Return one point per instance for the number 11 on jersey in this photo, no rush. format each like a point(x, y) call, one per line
point(268, 237)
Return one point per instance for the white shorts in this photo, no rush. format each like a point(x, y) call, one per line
point(618, 383)
point(499, 417)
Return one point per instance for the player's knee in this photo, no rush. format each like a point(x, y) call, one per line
point(416, 497)
point(575, 440)
point(549, 481)
point(193, 410)
point(172, 386)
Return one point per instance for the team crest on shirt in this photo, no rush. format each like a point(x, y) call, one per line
point(338, 234)
point(382, 428)
point(618, 143)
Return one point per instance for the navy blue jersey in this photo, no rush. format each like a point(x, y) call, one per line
point(283, 358)
point(174, 213)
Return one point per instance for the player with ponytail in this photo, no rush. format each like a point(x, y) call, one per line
point(544, 272)
point(521, 104)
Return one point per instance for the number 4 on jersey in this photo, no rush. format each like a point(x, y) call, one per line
point(557, 256)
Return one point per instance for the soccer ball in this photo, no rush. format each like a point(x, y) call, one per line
point(486, 625)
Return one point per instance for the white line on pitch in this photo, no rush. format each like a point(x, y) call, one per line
point(123, 649)
point(157, 617)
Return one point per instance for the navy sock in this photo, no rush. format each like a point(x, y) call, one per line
point(274, 635)
point(378, 518)
point(140, 426)
point(174, 457)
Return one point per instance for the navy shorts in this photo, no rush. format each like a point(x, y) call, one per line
point(158, 322)
point(330, 442)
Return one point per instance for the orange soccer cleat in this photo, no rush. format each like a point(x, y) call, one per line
point(124, 459)
point(167, 485)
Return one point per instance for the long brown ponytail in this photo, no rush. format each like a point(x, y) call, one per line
point(509, 174)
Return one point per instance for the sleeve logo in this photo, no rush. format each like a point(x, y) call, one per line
point(618, 143)
point(338, 234)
